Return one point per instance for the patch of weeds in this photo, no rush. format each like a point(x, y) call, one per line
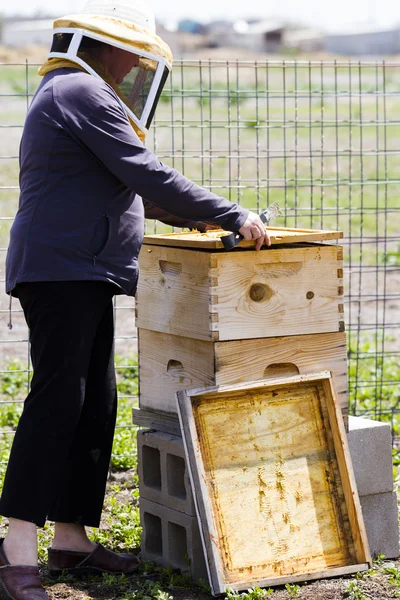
point(127, 375)
point(117, 583)
point(254, 123)
point(365, 574)
point(377, 563)
point(252, 594)
point(391, 257)
point(353, 591)
point(121, 529)
point(13, 386)
point(149, 590)
point(169, 577)
point(45, 537)
point(124, 446)
point(366, 364)
point(394, 575)
point(293, 590)
point(14, 379)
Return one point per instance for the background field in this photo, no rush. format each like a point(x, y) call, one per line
point(322, 138)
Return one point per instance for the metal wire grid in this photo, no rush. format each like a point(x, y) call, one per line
point(321, 138)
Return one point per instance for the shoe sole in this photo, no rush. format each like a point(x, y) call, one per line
point(4, 593)
point(85, 571)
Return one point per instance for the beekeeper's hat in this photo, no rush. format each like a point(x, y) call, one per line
point(125, 24)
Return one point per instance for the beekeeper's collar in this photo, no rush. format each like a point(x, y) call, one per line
point(142, 87)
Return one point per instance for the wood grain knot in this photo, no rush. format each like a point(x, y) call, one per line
point(310, 295)
point(170, 268)
point(259, 292)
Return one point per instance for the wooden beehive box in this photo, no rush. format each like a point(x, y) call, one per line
point(273, 483)
point(189, 287)
point(169, 363)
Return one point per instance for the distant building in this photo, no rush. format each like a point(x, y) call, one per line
point(304, 40)
point(180, 42)
point(260, 36)
point(27, 32)
point(364, 40)
point(191, 26)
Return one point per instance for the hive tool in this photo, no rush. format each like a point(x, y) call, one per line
point(232, 240)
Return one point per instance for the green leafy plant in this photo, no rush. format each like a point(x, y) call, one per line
point(293, 590)
point(121, 525)
point(124, 446)
point(366, 364)
point(255, 593)
point(391, 257)
point(354, 591)
point(394, 575)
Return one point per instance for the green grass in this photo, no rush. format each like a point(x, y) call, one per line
point(374, 379)
point(248, 115)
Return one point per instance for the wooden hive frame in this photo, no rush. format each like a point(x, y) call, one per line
point(271, 472)
point(211, 240)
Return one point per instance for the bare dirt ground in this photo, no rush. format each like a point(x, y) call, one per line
point(380, 583)
point(150, 582)
point(376, 588)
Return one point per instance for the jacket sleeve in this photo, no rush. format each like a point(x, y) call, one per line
point(154, 212)
point(94, 117)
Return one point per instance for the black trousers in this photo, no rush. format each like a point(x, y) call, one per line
point(61, 452)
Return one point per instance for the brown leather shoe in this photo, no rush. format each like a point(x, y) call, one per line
point(19, 582)
point(100, 560)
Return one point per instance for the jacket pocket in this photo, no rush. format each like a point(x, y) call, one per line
point(104, 227)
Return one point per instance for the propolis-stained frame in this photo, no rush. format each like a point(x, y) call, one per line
point(211, 240)
point(277, 503)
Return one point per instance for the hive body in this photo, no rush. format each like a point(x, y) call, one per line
point(207, 317)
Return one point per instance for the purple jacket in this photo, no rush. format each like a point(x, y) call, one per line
point(83, 173)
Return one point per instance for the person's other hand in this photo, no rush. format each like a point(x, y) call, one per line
point(254, 229)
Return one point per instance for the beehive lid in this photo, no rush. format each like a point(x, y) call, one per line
point(211, 240)
point(273, 485)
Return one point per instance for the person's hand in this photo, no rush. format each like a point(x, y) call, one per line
point(212, 227)
point(254, 229)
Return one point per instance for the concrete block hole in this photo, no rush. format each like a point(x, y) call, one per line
point(176, 476)
point(151, 467)
point(153, 534)
point(177, 544)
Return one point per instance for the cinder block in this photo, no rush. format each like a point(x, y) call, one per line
point(380, 513)
point(163, 475)
point(172, 539)
point(370, 445)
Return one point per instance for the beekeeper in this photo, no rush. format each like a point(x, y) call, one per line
point(74, 245)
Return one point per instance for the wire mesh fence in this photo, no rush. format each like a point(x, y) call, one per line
point(321, 138)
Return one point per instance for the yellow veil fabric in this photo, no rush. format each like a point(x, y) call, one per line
point(118, 30)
